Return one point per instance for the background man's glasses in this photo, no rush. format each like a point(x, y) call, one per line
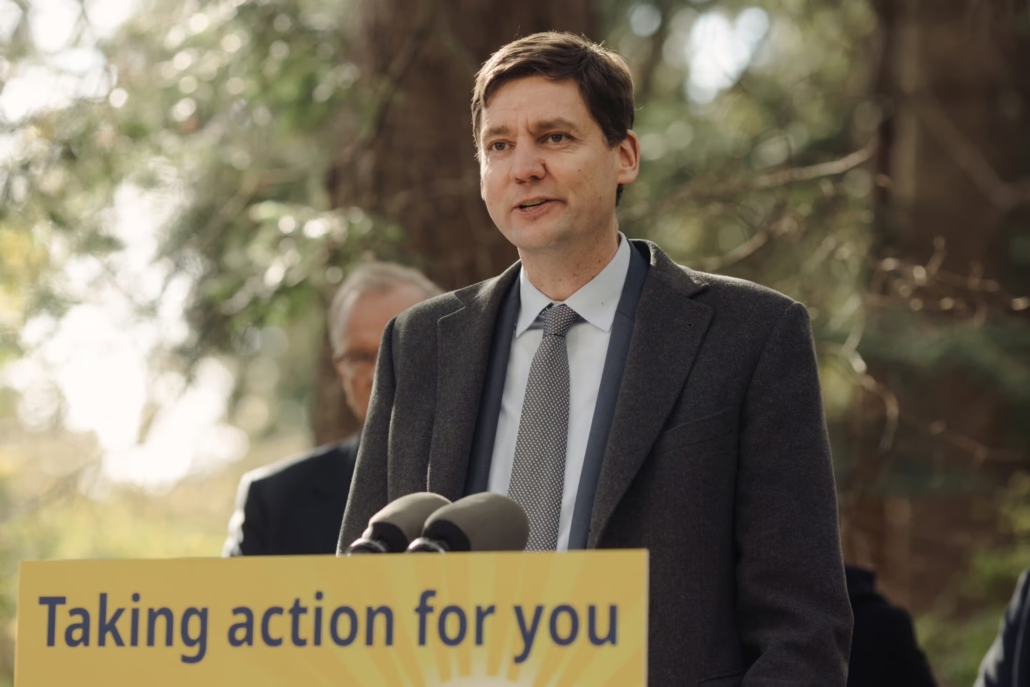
point(354, 361)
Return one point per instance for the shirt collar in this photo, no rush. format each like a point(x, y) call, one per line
point(596, 301)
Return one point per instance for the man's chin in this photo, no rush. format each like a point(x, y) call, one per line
point(535, 237)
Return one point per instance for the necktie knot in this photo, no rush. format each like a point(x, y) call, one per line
point(559, 320)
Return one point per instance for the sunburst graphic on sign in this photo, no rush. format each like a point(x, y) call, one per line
point(512, 619)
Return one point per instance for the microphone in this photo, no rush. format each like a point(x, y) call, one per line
point(481, 522)
point(392, 529)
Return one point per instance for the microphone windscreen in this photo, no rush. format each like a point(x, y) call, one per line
point(401, 520)
point(481, 522)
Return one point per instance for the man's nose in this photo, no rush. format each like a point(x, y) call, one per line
point(528, 163)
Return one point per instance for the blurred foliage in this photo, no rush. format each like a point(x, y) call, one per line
point(227, 112)
point(756, 120)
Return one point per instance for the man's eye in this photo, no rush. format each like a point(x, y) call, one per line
point(498, 146)
point(556, 138)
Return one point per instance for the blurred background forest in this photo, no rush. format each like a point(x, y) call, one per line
point(184, 183)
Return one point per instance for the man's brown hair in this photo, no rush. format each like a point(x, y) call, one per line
point(604, 79)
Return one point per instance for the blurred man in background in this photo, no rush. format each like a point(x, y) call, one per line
point(296, 506)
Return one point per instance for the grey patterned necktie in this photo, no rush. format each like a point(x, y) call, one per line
point(538, 473)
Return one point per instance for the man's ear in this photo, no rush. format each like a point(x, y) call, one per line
point(629, 158)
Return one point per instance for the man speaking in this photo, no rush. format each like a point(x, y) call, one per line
point(623, 400)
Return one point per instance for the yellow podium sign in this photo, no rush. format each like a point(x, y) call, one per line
point(489, 619)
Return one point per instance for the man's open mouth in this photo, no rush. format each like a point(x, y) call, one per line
point(532, 204)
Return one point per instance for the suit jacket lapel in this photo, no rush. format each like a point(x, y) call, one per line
point(477, 478)
point(463, 351)
point(667, 334)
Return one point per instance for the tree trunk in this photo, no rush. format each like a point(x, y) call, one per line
point(414, 163)
point(952, 83)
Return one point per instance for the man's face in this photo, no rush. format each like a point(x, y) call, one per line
point(547, 174)
point(360, 345)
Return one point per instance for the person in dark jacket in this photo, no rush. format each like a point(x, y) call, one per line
point(884, 651)
point(296, 506)
point(1007, 663)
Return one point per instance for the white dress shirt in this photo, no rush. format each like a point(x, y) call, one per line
point(587, 344)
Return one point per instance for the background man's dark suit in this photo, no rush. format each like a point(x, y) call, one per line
point(717, 461)
point(294, 506)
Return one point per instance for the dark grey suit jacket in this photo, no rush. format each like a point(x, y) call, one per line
point(717, 461)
